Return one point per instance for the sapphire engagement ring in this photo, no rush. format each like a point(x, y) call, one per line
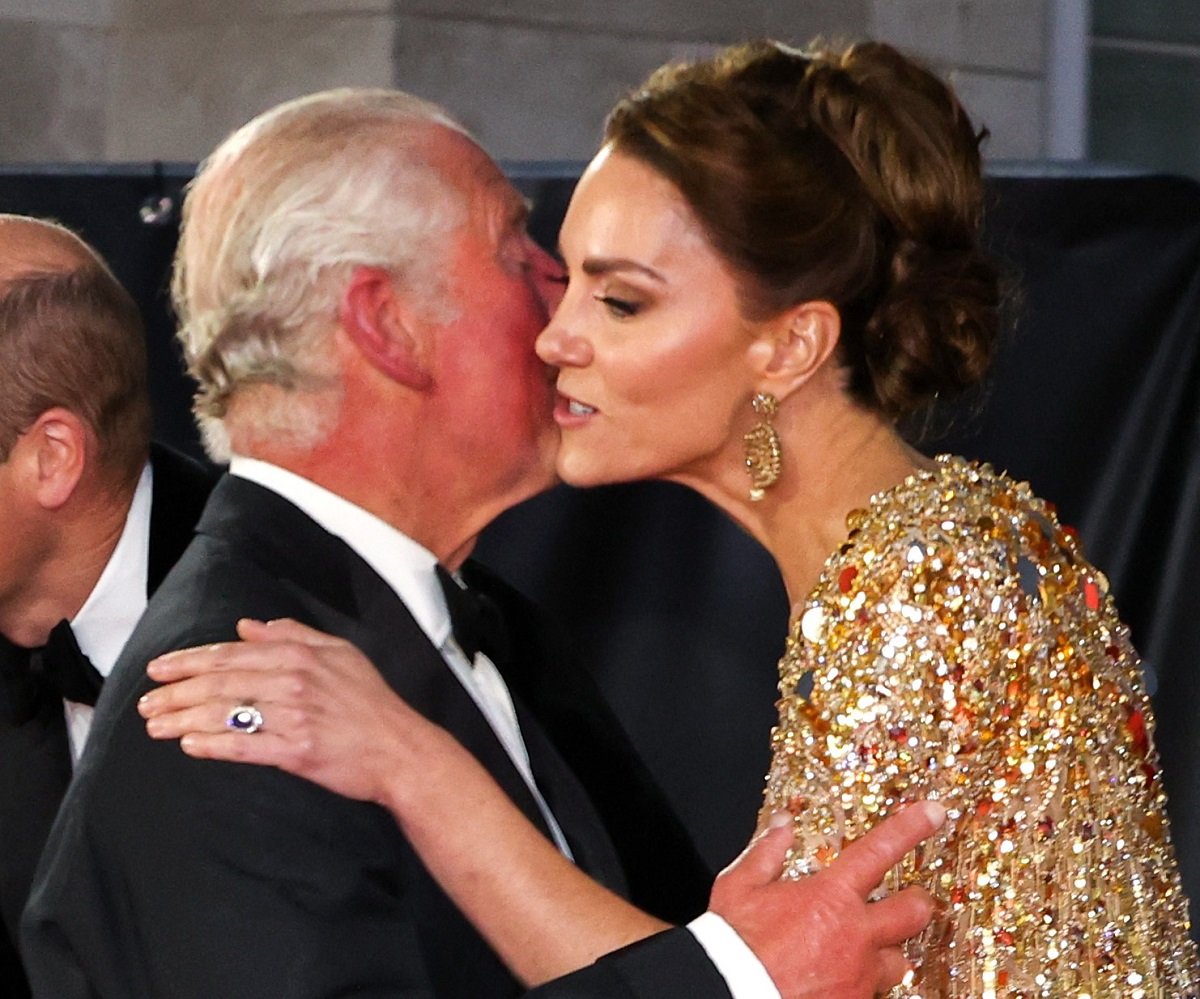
point(245, 718)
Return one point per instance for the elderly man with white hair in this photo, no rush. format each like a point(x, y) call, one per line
point(359, 299)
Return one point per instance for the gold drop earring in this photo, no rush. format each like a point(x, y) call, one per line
point(764, 457)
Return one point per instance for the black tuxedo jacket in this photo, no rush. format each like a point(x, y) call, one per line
point(35, 757)
point(170, 877)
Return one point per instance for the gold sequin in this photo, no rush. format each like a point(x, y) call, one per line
point(961, 648)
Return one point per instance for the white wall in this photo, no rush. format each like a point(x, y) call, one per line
point(166, 79)
point(995, 52)
point(55, 72)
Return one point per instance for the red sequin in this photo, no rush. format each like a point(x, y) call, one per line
point(1136, 724)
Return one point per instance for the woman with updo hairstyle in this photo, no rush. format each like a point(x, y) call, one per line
point(773, 259)
point(948, 638)
point(852, 178)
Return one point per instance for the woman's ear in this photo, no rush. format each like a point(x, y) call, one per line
point(51, 456)
point(381, 324)
point(795, 345)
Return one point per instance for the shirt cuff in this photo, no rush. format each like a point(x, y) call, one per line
point(742, 970)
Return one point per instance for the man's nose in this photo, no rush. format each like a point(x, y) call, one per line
point(550, 280)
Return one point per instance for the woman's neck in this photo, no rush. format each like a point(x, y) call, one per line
point(836, 455)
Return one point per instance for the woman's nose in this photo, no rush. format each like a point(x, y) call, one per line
point(560, 348)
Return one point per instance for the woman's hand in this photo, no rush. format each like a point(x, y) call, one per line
point(328, 715)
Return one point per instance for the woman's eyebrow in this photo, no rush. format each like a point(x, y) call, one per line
point(595, 266)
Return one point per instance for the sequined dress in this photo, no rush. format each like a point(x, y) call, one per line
point(959, 647)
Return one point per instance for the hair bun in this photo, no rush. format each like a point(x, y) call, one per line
point(934, 328)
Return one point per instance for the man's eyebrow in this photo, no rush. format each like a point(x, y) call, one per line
point(522, 208)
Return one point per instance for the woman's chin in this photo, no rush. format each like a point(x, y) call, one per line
point(581, 473)
point(581, 479)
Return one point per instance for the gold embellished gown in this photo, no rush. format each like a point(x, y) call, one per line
point(959, 647)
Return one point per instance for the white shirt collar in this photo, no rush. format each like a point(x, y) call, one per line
point(108, 616)
point(406, 566)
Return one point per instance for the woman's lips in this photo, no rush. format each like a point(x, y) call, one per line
point(569, 412)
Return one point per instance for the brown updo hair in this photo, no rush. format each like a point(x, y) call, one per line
point(847, 175)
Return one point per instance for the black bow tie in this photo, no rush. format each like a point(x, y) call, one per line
point(58, 671)
point(475, 619)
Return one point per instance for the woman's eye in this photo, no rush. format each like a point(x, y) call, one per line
point(620, 308)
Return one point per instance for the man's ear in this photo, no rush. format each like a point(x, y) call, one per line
point(52, 455)
point(382, 326)
point(795, 345)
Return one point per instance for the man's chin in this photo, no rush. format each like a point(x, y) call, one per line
point(541, 476)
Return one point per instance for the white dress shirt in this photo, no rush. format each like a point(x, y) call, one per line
point(111, 611)
point(408, 568)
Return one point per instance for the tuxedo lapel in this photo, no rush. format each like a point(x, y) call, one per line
point(570, 805)
point(417, 671)
point(565, 794)
point(349, 598)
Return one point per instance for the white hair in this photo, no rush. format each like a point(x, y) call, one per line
point(277, 218)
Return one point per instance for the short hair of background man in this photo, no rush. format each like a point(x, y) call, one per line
point(75, 339)
point(275, 222)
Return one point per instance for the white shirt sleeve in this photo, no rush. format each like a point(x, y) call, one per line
point(742, 970)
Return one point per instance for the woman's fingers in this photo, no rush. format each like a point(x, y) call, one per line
point(221, 691)
point(285, 629)
point(300, 739)
point(204, 660)
point(263, 747)
point(272, 646)
point(212, 715)
point(171, 724)
point(305, 684)
point(227, 688)
point(257, 654)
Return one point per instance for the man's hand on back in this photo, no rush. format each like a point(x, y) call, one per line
point(819, 937)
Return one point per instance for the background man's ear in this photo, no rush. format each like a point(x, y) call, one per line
point(382, 325)
point(796, 345)
point(52, 455)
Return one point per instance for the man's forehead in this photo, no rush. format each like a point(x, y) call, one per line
point(506, 208)
point(478, 176)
